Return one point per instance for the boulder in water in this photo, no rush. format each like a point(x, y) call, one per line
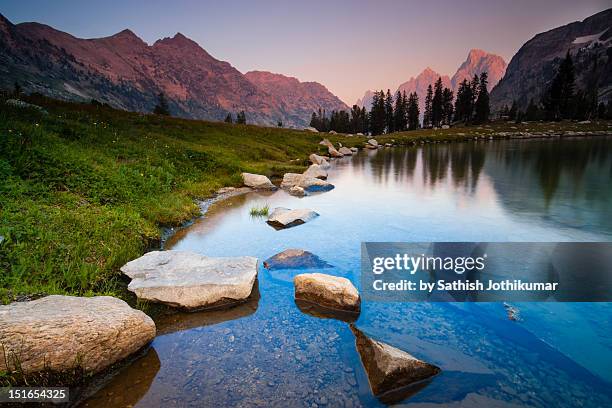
point(333, 152)
point(346, 151)
point(388, 368)
point(297, 191)
point(58, 332)
point(320, 160)
point(282, 218)
point(309, 184)
point(329, 291)
point(191, 281)
point(373, 142)
point(316, 171)
point(257, 181)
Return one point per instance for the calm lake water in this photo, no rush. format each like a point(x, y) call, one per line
point(269, 353)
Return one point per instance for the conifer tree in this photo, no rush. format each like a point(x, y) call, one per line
point(389, 123)
point(436, 104)
point(447, 106)
point(229, 119)
point(378, 113)
point(162, 106)
point(241, 118)
point(513, 111)
point(559, 99)
point(427, 119)
point(399, 112)
point(413, 111)
point(482, 107)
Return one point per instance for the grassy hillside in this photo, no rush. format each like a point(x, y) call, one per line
point(84, 189)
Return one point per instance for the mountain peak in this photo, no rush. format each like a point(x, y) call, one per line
point(476, 53)
point(126, 34)
point(179, 40)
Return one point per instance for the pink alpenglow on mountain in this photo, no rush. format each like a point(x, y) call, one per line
point(366, 100)
point(299, 99)
point(477, 62)
point(127, 73)
point(420, 84)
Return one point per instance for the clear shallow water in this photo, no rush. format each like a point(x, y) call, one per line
point(269, 353)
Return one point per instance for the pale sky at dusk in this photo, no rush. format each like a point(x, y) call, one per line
point(348, 46)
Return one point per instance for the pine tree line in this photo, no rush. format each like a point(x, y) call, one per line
point(561, 100)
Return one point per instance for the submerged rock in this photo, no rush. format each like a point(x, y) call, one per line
point(323, 312)
point(257, 181)
point(316, 171)
point(329, 291)
point(346, 151)
point(295, 259)
point(285, 218)
point(390, 369)
point(191, 281)
point(58, 332)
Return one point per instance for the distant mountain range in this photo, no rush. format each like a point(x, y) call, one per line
point(127, 73)
point(477, 61)
point(533, 67)
point(300, 99)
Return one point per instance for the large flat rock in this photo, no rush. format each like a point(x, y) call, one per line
point(59, 331)
point(285, 218)
point(191, 281)
point(329, 291)
point(390, 369)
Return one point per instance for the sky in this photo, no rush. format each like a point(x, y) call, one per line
point(348, 46)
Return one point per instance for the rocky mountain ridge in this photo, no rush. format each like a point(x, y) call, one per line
point(125, 72)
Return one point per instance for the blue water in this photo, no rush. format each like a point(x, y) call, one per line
point(269, 353)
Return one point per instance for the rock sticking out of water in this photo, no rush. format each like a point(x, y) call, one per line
point(390, 370)
point(309, 184)
point(328, 291)
point(191, 281)
point(282, 218)
point(333, 152)
point(320, 160)
point(257, 181)
point(295, 259)
point(316, 171)
point(372, 144)
point(59, 331)
point(346, 151)
point(297, 191)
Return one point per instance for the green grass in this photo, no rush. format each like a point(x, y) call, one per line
point(85, 188)
point(262, 211)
